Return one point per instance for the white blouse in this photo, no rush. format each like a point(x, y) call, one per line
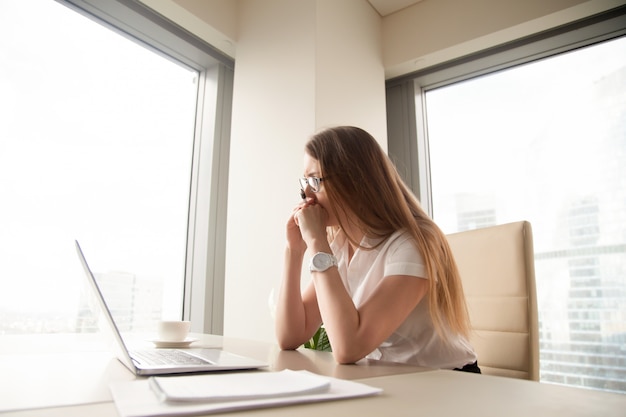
point(415, 341)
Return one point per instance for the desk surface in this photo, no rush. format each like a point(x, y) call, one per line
point(72, 377)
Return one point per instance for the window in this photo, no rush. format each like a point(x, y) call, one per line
point(103, 140)
point(542, 139)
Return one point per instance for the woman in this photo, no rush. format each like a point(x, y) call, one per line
point(384, 281)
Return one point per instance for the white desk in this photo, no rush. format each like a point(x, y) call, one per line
point(76, 384)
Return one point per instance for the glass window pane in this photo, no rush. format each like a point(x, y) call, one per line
point(96, 144)
point(546, 142)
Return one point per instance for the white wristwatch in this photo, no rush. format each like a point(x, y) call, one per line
point(322, 261)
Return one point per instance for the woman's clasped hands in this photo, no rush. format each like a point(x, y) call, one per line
point(307, 222)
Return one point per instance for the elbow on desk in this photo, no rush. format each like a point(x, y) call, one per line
point(347, 357)
point(344, 361)
point(288, 346)
point(288, 343)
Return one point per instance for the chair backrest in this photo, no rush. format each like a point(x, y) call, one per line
point(498, 273)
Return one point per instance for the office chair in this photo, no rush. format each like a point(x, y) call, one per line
point(498, 274)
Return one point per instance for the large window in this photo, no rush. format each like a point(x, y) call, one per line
point(543, 141)
point(100, 141)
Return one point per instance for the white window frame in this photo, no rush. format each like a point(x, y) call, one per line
point(203, 302)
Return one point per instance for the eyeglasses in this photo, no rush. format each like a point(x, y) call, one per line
point(313, 183)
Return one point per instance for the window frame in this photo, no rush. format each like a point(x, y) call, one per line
point(203, 302)
point(406, 112)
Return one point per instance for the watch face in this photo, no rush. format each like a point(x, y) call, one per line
point(321, 261)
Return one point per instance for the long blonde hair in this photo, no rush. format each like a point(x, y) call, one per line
point(365, 188)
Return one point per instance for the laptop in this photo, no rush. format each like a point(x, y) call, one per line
point(166, 361)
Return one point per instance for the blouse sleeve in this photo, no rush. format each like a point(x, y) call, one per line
point(403, 258)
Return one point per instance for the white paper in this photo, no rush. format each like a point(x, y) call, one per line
point(136, 399)
point(237, 386)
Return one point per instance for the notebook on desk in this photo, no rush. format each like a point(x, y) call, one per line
point(165, 361)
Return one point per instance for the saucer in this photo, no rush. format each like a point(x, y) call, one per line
point(168, 344)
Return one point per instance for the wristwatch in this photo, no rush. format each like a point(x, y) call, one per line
point(322, 261)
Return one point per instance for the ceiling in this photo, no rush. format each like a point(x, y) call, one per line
point(385, 7)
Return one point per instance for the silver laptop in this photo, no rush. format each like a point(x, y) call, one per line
point(166, 361)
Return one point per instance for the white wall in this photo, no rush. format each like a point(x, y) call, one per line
point(300, 65)
point(349, 67)
point(273, 111)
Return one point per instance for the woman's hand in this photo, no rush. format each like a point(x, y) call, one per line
point(294, 236)
point(311, 218)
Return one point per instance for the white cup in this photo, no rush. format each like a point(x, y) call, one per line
point(173, 330)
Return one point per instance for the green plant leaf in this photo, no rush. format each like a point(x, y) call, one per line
point(319, 341)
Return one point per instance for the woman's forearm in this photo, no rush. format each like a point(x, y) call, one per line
point(340, 316)
point(290, 311)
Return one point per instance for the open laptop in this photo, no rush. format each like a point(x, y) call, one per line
point(166, 361)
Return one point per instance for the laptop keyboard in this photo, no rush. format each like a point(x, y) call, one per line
point(166, 357)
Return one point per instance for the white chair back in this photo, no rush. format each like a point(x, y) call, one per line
point(498, 273)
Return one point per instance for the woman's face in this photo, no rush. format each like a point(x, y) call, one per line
point(312, 169)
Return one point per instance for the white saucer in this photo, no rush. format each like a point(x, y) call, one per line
point(167, 344)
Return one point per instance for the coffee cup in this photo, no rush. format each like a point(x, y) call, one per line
point(173, 330)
